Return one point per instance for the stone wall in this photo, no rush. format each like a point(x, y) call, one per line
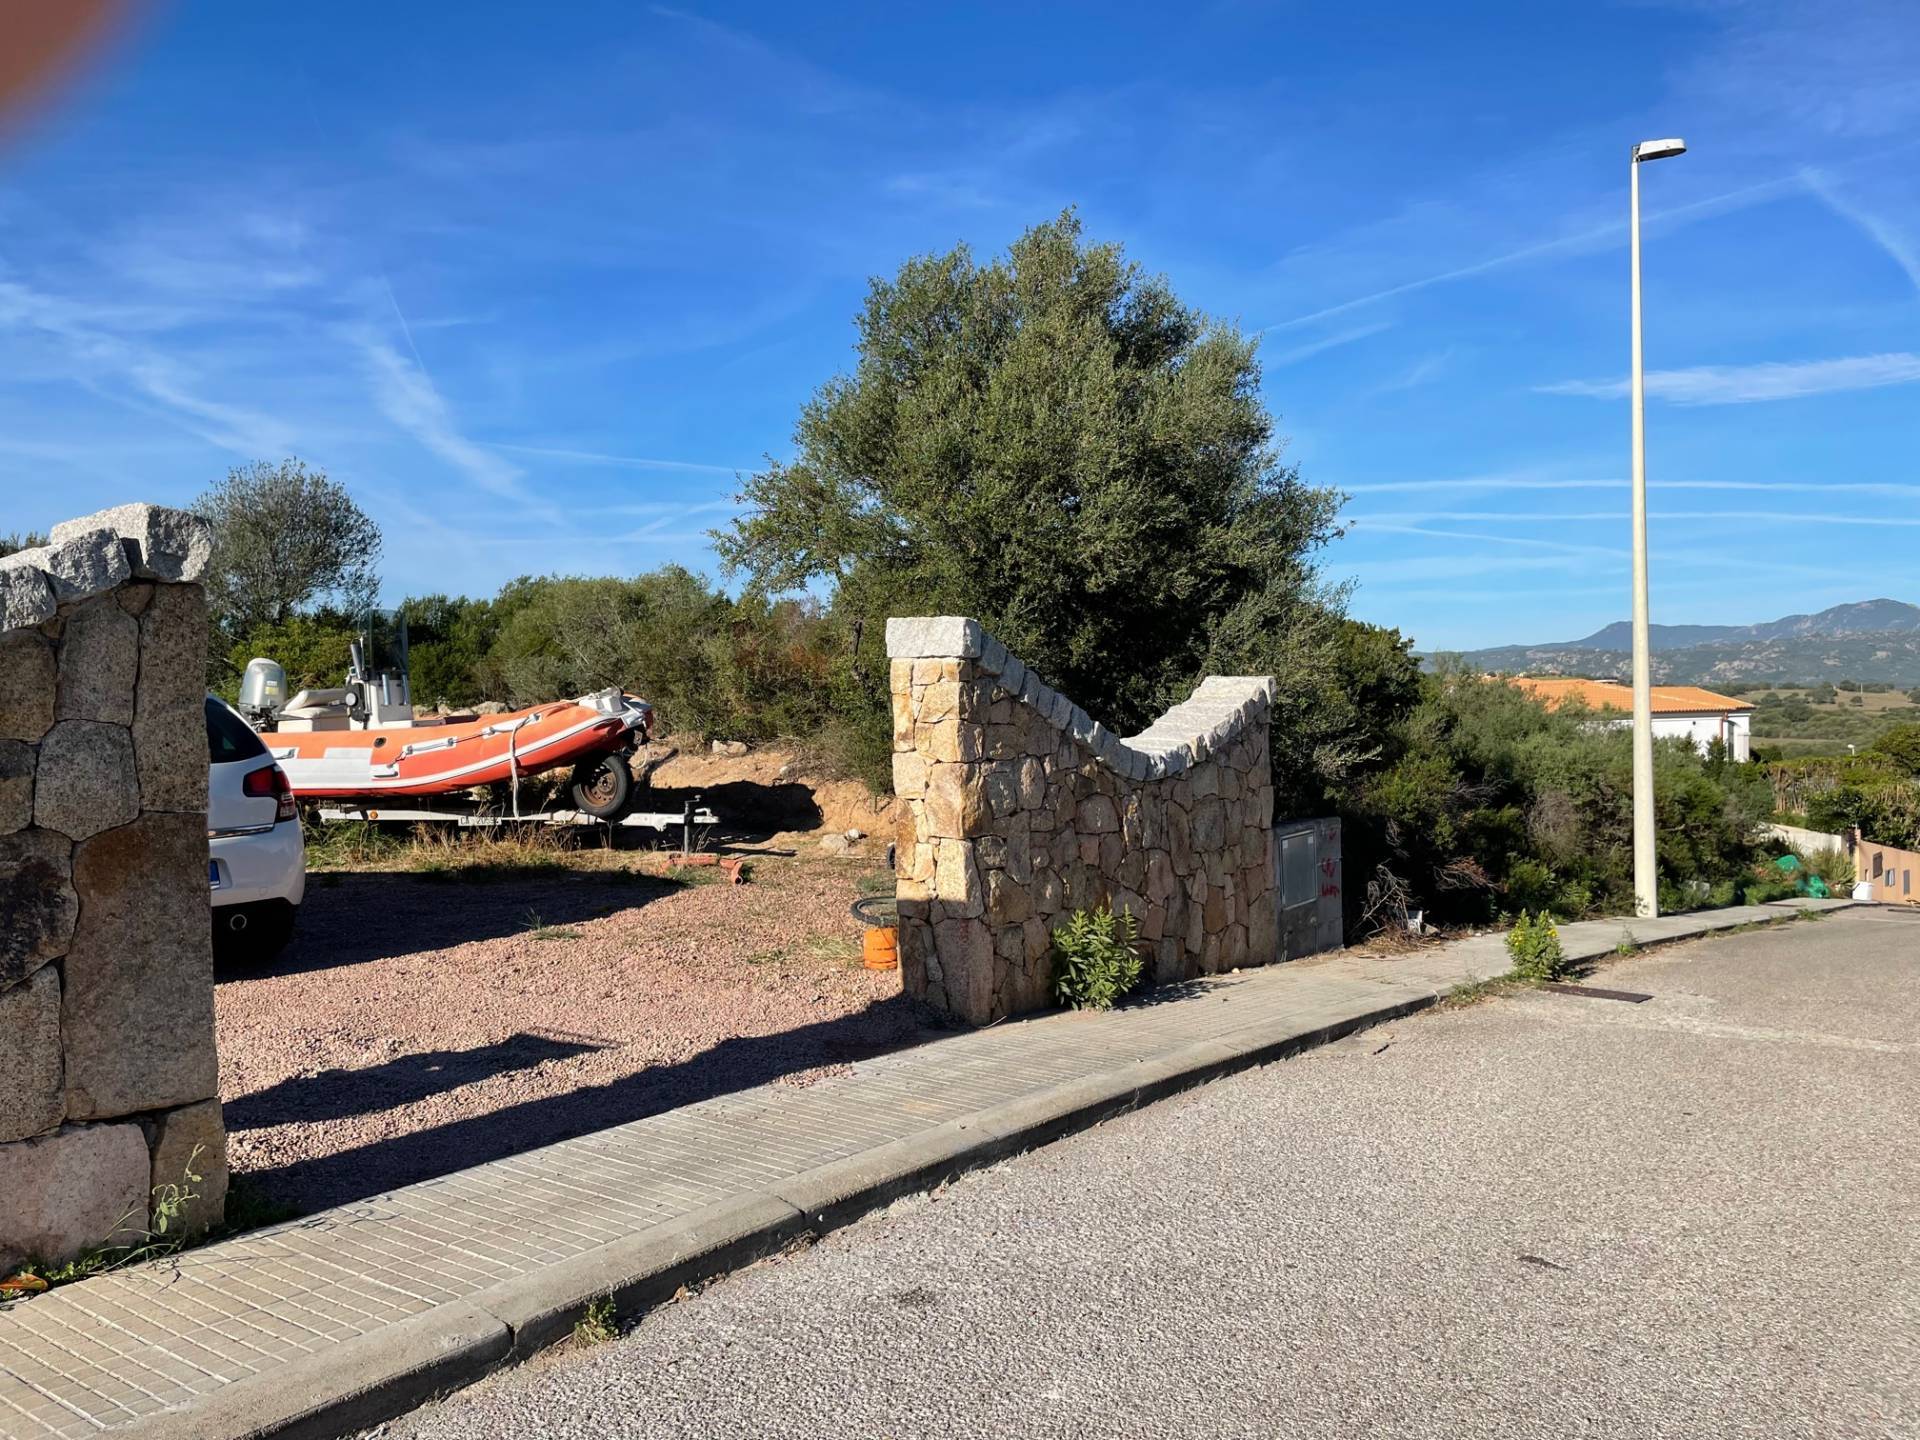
point(1015, 809)
point(107, 1066)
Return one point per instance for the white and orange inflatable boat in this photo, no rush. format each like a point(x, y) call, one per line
point(357, 743)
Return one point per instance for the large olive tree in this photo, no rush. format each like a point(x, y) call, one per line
point(285, 539)
point(1051, 442)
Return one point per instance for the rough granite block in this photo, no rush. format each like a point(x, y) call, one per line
point(169, 724)
point(99, 660)
point(37, 900)
point(189, 1147)
point(16, 785)
point(137, 1009)
point(85, 564)
point(82, 1186)
point(993, 656)
point(27, 681)
point(26, 598)
point(86, 781)
point(161, 543)
point(32, 1100)
point(934, 636)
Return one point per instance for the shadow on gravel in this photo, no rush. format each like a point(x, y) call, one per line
point(354, 916)
point(337, 1094)
point(748, 812)
point(1176, 990)
point(736, 1064)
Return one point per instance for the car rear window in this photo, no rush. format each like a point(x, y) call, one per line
point(229, 737)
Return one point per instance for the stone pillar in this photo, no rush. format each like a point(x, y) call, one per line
point(1016, 808)
point(108, 1074)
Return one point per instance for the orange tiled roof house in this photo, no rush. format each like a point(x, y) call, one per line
point(1687, 711)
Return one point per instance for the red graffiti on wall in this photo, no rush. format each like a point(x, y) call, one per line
point(1329, 878)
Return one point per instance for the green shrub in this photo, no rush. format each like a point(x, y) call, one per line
point(1770, 885)
point(1096, 958)
point(1575, 900)
point(1832, 865)
point(1534, 944)
point(1532, 885)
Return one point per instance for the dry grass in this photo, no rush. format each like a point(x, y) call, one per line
point(450, 852)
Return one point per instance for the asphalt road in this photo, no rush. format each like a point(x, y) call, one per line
point(1534, 1216)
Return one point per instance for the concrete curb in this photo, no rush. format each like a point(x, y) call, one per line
point(356, 1385)
point(389, 1372)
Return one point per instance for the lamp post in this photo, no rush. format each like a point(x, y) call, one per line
point(1646, 876)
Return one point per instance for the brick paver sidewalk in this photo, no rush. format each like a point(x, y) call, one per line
point(354, 1313)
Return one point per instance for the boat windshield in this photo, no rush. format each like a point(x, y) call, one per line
point(380, 656)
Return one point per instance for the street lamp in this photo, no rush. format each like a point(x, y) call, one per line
point(1646, 877)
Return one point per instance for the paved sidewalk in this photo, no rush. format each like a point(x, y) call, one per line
point(318, 1326)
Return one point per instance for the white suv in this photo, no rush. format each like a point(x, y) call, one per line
point(256, 862)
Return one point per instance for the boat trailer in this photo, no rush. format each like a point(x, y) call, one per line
point(473, 817)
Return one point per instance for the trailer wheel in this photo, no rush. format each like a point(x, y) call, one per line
point(602, 787)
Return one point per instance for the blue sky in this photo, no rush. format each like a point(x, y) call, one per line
point(537, 281)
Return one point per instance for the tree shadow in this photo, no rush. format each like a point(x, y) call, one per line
point(354, 916)
point(337, 1094)
point(748, 811)
point(735, 1064)
point(1173, 991)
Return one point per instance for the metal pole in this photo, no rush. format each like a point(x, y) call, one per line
point(1646, 883)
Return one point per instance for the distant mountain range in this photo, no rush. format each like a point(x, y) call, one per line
point(1870, 640)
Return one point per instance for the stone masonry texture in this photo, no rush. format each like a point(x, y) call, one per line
point(106, 976)
point(1016, 809)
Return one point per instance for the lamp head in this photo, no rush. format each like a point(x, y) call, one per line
point(1658, 149)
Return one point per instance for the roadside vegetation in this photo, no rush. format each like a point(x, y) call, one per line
point(1483, 803)
point(1534, 945)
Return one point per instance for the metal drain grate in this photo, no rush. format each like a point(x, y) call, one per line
point(1594, 992)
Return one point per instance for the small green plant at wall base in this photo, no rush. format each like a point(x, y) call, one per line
point(169, 1199)
point(153, 1242)
point(598, 1324)
point(1534, 944)
point(1628, 945)
point(1096, 958)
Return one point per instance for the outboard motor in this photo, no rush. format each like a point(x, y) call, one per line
point(263, 691)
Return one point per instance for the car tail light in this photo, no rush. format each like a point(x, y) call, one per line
point(271, 782)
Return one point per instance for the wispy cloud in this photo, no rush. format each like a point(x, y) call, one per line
point(1561, 547)
point(109, 351)
point(1477, 482)
point(1308, 349)
point(1497, 482)
point(1883, 232)
point(1844, 70)
point(635, 462)
point(1423, 371)
point(1565, 244)
point(1549, 517)
point(1404, 571)
point(1747, 384)
point(408, 397)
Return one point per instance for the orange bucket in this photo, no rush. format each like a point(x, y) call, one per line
point(880, 949)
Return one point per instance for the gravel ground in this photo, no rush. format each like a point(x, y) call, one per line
point(417, 1026)
point(1536, 1216)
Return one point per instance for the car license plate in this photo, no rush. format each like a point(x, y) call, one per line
point(213, 874)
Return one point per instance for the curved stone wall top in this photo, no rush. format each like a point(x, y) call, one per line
point(1219, 710)
point(93, 554)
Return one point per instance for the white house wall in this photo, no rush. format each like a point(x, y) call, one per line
point(1702, 730)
